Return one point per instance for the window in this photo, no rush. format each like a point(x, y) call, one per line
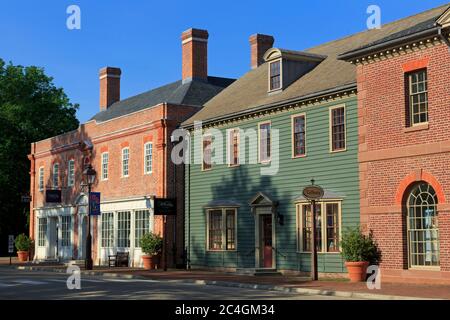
point(207, 152)
point(55, 176)
point(141, 225)
point(148, 158)
point(264, 142)
point(233, 147)
point(417, 97)
point(123, 229)
point(105, 160)
point(41, 179)
point(65, 231)
point(42, 231)
point(327, 226)
point(299, 135)
point(422, 223)
point(275, 75)
point(125, 161)
point(337, 124)
point(221, 229)
point(71, 173)
point(107, 230)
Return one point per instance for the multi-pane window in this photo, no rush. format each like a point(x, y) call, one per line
point(264, 142)
point(299, 135)
point(105, 160)
point(221, 229)
point(337, 124)
point(65, 231)
point(148, 158)
point(418, 97)
point(42, 231)
point(141, 225)
point(55, 175)
point(327, 227)
point(275, 75)
point(107, 230)
point(123, 229)
point(125, 161)
point(207, 152)
point(41, 179)
point(233, 147)
point(71, 173)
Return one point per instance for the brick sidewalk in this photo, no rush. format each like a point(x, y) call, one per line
point(390, 289)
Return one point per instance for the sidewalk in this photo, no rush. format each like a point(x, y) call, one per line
point(339, 287)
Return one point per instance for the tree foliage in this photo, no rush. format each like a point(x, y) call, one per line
point(32, 108)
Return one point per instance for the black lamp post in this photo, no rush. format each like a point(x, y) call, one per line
point(89, 175)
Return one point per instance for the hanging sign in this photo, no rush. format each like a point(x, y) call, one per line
point(313, 192)
point(94, 203)
point(165, 206)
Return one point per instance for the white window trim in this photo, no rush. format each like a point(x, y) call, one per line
point(55, 185)
point(299, 225)
point(145, 158)
point(70, 178)
point(101, 230)
point(411, 115)
point(330, 126)
point(107, 166)
point(203, 154)
point(293, 135)
point(41, 178)
point(281, 76)
point(128, 164)
point(224, 210)
point(69, 227)
point(259, 142)
point(230, 147)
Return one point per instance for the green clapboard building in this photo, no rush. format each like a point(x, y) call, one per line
point(292, 118)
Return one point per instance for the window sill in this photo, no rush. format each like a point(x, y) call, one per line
point(417, 127)
point(338, 150)
point(299, 156)
point(221, 250)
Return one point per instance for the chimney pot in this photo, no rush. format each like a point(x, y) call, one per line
point(259, 44)
point(109, 86)
point(194, 44)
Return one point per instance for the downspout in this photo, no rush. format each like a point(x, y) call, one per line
point(443, 37)
point(188, 260)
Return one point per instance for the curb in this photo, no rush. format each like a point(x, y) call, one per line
point(330, 293)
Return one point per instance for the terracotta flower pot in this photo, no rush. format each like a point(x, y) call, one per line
point(150, 262)
point(357, 271)
point(22, 255)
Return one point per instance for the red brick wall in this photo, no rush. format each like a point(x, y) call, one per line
point(393, 157)
point(194, 54)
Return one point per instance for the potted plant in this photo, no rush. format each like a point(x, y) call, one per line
point(358, 251)
point(23, 245)
point(151, 245)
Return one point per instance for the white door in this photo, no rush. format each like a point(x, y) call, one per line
point(52, 238)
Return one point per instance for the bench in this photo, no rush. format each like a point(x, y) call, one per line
point(120, 259)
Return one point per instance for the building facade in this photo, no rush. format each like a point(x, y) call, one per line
point(128, 143)
point(404, 104)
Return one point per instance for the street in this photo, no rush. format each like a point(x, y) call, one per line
point(19, 284)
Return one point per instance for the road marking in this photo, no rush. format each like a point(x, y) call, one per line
point(32, 282)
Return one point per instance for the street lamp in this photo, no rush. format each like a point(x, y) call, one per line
point(89, 175)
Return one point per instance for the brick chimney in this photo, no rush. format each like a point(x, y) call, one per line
point(195, 54)
point(109, 86)
point(259, 44)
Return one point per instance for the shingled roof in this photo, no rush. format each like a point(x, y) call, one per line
point(192, 93)
point(250, 91)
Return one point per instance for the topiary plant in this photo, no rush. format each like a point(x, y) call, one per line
point(357, 247)
point(151, 244)
point(23, 242)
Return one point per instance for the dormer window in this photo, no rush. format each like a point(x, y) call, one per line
point(275, 75)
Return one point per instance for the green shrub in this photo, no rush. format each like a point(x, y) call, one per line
point(151, 244)
point(357, 247)
point(23, 242)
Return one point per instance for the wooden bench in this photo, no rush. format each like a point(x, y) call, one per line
point(120, 259)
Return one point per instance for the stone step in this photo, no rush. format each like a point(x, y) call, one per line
point(258, 271)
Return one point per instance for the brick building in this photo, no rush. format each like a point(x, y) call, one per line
point(128, 144)
point(404, 147)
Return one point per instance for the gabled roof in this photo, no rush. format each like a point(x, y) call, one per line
point(192, 93)
point(250, 91)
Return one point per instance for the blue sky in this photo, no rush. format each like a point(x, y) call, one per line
point(143, 37)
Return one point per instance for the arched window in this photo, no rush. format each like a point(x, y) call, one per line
point(422, 222)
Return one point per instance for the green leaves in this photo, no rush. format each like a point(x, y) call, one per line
point(357, 247)
point(151, 244)
point(23, 242)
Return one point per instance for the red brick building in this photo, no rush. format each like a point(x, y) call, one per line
point(404, 148)
point(128, 144)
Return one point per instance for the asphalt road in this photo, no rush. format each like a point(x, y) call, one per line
point(20, 284)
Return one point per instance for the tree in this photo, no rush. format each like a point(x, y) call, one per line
point(32, 108)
